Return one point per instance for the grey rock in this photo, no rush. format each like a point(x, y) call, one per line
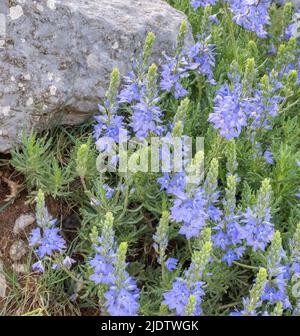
point(57, 55)
point(17, 250)
point(22, 222)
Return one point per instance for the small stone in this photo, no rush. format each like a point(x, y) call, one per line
point(22, 222)
point(17, 250)
point(3, 284)
point(20, 268)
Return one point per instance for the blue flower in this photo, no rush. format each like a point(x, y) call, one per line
point(68, 262)
point(201, 58)
point(171, 264)
point(202, 3)
point(103, 271)
point(46, 243)
point(221, 240)
point(38, 267)
point(132, 89)
point(121, 302)
point(268, 157)
point(109, 192)
point(177, 298)
point(109, 127)
point(258, 230)
point(191, 212)
point(228, 116)
point(230, 256)
point(251, 14)
point(146, 118)
point(171, 74)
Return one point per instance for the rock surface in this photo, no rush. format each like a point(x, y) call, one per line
point(22, 222)
point(57, 55)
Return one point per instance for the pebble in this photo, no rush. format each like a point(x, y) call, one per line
point(20, 268)
point(22, 222)
point(17, 250)
point(3, 284)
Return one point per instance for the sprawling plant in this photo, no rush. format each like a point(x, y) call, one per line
point(184, 241)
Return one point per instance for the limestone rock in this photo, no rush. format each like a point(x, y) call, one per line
point(56, 56)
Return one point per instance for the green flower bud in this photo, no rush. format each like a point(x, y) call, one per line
point(250, 75)
point(296, 239)
point(82, 160)
point(195, 169)
point(278, 310)
point(292, 77)
point(182, 109)
point(230, 203)
point(147, 50)
point(287, 13)
point(274, 253)
point(256, 291)
point(204, 238)
point(177, 129)
point(120, 264)
point(163, 310)
point(94, 235)
point(190, 307)
point(40, 207)
point(114, 86)
point(161, 238)
point(107, 230)
point(230, 152)
point(181, 37)
point(264, 197)
point(252, 47)
point(200, 259)
point(152, 80)
point(291, 44)
point(211, 181)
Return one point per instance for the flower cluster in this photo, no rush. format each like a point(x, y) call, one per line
point(227, 232)
point(202, 3)
point(233, 110)
point(46, 239)
point(198, 59)
point(161, 240)
point(251, 14)
point(109, 269)
point(228, 117)
point(190, 204)
point(257, 229)
point(275, 288)
point(253, 302)
point(191, 284)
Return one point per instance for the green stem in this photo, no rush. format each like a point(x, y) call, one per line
point(245, 266)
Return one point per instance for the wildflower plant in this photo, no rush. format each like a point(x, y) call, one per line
point(214, 233)
point(46, 240)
